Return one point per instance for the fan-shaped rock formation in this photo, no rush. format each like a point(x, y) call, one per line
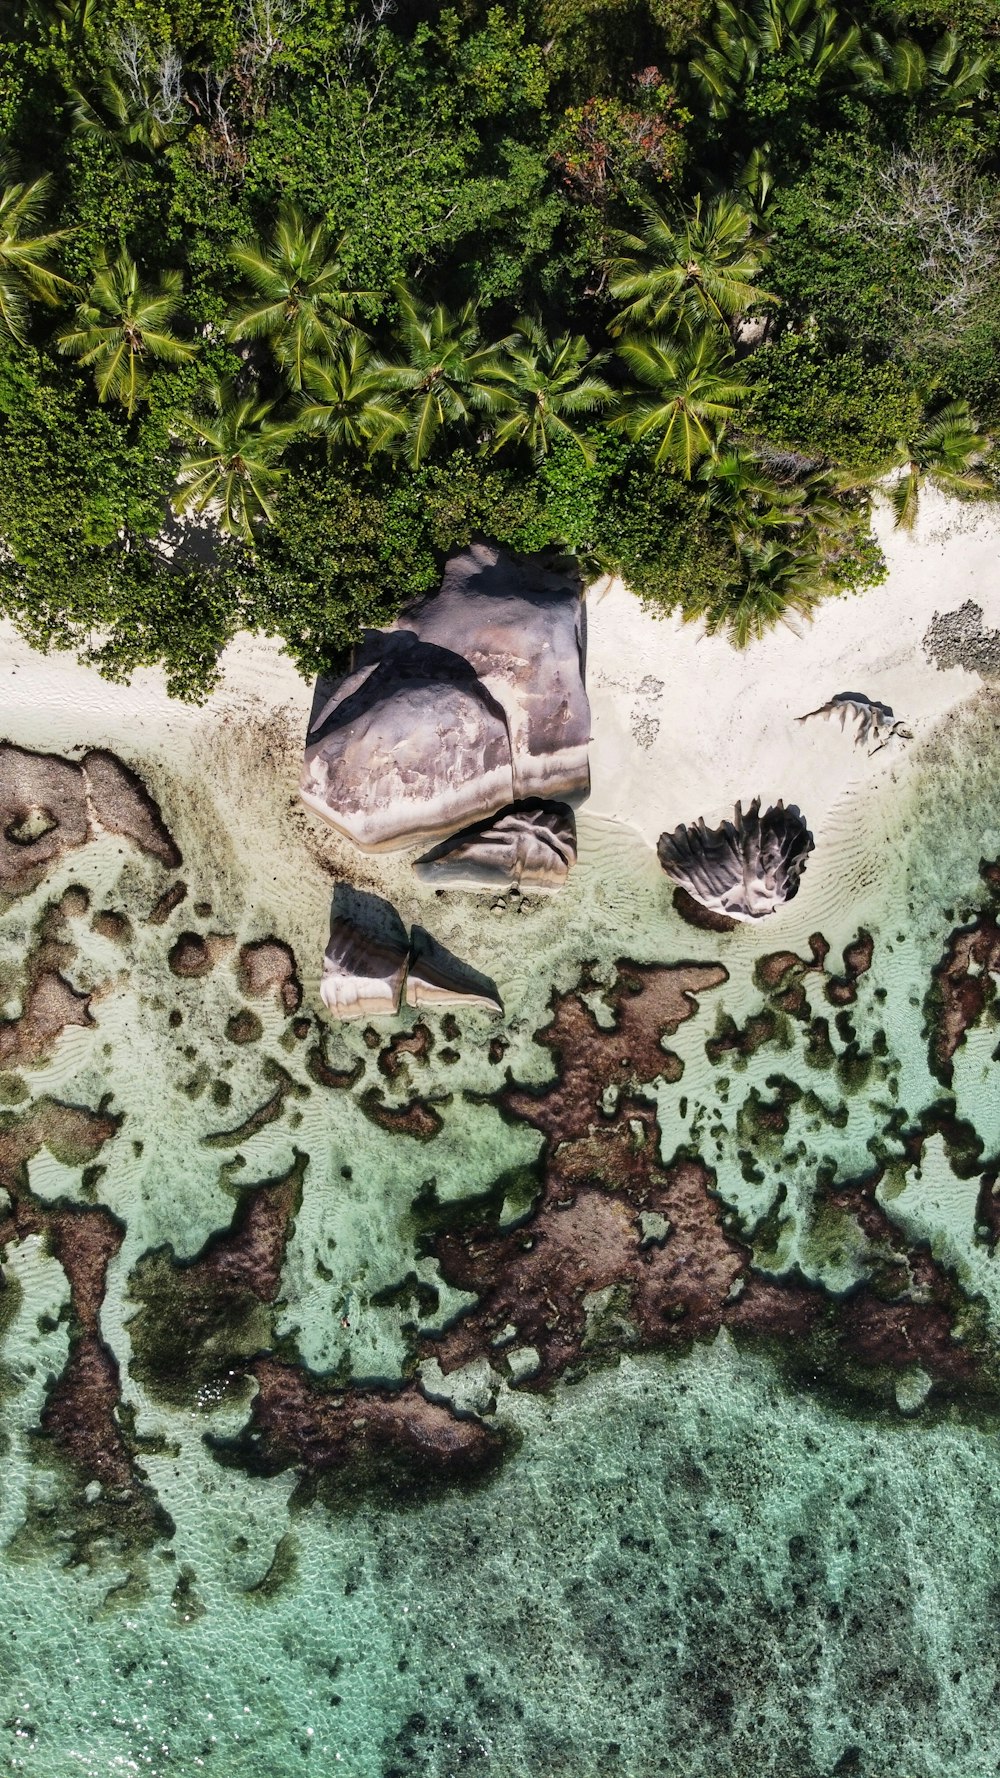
point(473, 699)
point(531, 845)
point(747, 868)
point(436, 978)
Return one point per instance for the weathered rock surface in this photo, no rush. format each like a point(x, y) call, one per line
point(49, 806)
point(472, 700)
point(873, 722)
point(267, 967)
point(520, 626)
point(531, 845)
point(436, 978)
point(120, 803)
point(363, 970)
point(748, 867)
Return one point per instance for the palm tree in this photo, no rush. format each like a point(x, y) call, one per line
point(146, 115)
point(447, 376)
point(737, 489)
point(777, 581)
point(951, 78)
point(302, 303)
point(944, 452)
point(346, 398)
point(680, 273)
point(694, 396)
point(121, 326)
point(233, 459)
point(547, 385)
point(25, 269)
point(808, 35)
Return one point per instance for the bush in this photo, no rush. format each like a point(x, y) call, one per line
point(838, 410)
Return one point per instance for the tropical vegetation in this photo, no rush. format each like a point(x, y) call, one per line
point(692, 288)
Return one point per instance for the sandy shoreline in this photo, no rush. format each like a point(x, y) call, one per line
point(683, 724)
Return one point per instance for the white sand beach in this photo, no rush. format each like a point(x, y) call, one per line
point(683, 724)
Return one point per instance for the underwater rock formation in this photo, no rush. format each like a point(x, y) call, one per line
point(473, 699)
point(748, 867)
point(267, 967)
point(363, 971)
point(49, 806)
point(531, 845)
point(436, 978)
point(873, 721)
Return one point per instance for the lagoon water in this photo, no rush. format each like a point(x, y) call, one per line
point(686, 1564)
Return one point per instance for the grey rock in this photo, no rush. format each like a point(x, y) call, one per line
point(531, 845)
point(410, 746)
point(960, 639)
point(747, 868)
point(472, 700)
point(520, 626)
point(436, 978)
point(365, 962)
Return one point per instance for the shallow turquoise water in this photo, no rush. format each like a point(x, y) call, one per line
point(685, 1566)
point(686, 1569)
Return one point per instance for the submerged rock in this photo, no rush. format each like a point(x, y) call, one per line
point(473, 699)
point(747, 868)
point(363, 970)
point(531, 845)
point(436, 978)
point(50, 805)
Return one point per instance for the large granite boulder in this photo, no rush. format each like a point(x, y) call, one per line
point(370, 956)
point(531, 845)
point(520, 626)
point(747, 868)
point(472, 700)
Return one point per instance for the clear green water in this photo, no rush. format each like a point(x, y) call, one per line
point(685, 1566)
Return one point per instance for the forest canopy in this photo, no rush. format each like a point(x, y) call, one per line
point(297, 295)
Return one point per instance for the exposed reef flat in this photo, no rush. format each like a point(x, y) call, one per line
point(49, 806)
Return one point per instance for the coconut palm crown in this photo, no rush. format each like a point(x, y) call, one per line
point(233, 459)
point(680, 272)
point(347, 398)
point(122, 326)
point(302, 301)
point(446, 375)
point(548, 385)
point(945, 452)
point(25, 256)
point(693, 397)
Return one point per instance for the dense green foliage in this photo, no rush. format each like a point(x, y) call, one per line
point(672, 284)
